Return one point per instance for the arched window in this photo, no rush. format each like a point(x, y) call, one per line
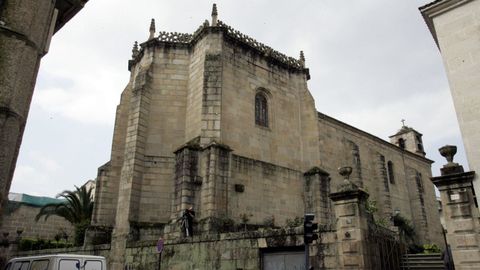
point(391, 174)
point(261, 110)
point(401, 143)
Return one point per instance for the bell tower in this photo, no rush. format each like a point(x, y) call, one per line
point(408, 139)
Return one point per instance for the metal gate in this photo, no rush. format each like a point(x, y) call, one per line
point(385, 249)
point(285, 260)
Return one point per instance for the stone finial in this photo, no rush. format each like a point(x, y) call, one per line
point(347, 184)
point(449, 151)
point(206, 23)
point(152, 29)
point(302, 59)
point(135, 50)
point(214, 15)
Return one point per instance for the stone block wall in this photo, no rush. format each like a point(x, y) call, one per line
point(287, 140)
point(268, 191)
point(368, 156)
point(165, 124)
point(19, 216)
point(242, 250)
point(99, 250)
point(157, 189)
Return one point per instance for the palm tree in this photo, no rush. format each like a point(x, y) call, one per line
point(77, 209)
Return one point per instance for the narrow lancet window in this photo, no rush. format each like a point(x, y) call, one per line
point(391, 174)
point(261, 110)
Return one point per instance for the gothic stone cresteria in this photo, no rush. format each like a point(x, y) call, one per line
point(223, 123)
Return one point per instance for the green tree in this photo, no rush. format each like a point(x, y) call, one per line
point(77, 208)
point(405, 228)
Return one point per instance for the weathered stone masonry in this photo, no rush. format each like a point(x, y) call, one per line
point(186, 136)
point(26, 29)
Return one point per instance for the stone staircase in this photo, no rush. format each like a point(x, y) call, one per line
point(431, 261)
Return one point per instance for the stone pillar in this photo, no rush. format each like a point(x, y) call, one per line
point(186, 178)
point(215, 185)
point(317, 189)
point(460, 210)
point(352, 224)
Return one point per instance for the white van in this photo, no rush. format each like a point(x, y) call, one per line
point(58, 262)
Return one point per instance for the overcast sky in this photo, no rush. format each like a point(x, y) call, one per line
point(372, 64)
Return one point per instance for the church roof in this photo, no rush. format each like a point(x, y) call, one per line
point(403, 130)
point(375, 138)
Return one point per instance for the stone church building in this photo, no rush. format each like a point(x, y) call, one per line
point(220, 122)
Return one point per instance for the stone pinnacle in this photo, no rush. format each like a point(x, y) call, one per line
point(214, 15)
point(135, 50)
point(214, 10)
point(152, 29)
point(302, 59)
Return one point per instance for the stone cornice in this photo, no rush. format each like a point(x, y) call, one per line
point(349, 194)
point(261, 48)
point(66, 10)
point(186, 40)
point(372, 137)
point(451, 179)
point(435, 8)
point(195, 145)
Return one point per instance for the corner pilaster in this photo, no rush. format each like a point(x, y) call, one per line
point(317, 189)
point(133, 167)
point(215, 188)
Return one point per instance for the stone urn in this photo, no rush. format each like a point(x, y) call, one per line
point(346, 185)
point(345, 171)
point(448, 151)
